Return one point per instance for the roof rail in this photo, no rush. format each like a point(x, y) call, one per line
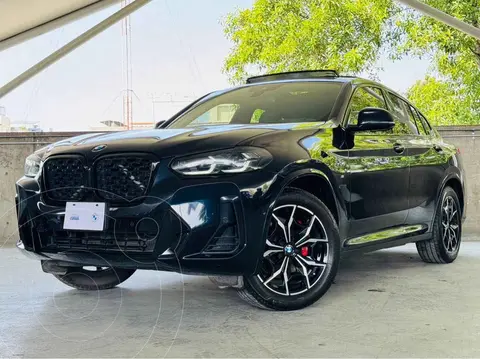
point(293, 75)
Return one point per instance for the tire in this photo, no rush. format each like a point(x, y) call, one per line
point(82, 279)
point(442, 248)
point(311, 271)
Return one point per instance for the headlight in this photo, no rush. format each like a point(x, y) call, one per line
point(32, 165)
point(236, 160)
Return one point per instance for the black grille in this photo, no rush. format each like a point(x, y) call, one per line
point(65, 178)
point(119, 178)
point(100, 241)
point(129, 235)
point(123, 178)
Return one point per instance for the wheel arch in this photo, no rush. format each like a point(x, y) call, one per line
point(453, 180)
point(320, 182)
point(320, 187)
point(456, 184)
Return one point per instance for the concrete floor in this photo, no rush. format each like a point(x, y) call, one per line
point(384, 304)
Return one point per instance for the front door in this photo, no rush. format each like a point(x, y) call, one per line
point(378, 171)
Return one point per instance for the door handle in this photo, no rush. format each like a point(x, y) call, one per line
point(398, 148)
point(438, 148)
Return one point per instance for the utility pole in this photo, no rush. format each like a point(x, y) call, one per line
point(127, 69)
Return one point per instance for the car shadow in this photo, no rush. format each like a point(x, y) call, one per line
point(178, 315)
point(359, 271)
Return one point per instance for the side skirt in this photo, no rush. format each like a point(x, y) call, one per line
point(391, 237)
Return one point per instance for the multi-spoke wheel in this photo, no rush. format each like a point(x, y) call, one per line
point(94, 278)
point(447, 231)
point(301, 254)
point(450, 224)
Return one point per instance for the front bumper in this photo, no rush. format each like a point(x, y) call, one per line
point(209, 228)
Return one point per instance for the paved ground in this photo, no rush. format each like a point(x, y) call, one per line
point(384, 304)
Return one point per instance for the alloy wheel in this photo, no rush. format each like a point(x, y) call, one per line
point(296, 252)
point(450, 224)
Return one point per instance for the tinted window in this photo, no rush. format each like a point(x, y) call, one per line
point(292, 102)
point(364, 97)
point(426, 124)
point(404, 118)
point(221, 114)
point(421, 129)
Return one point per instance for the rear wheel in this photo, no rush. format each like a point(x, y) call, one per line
point(94, 278)
point(444, 245)
point(301, 255)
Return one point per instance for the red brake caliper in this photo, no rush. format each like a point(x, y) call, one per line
point(304, 251)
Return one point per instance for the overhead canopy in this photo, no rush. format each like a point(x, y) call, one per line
point(21, 20)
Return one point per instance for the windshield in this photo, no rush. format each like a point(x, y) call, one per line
point(292, 102)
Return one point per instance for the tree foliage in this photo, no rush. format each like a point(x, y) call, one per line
point(285, 35)
point(349, 35)
point(452, 95)
point(439, 102)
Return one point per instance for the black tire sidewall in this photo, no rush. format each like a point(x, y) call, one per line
point(281, 302)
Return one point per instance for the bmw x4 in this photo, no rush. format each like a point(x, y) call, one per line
point(262, 187)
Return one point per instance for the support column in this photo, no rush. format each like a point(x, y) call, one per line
point(442, 17)
point(72, 45)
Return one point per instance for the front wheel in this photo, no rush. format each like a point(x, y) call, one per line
point(94, 278)
point(444, 245)
point(301, 255)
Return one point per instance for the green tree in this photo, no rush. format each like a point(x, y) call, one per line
point(349, 35)
point(452, 95)
point(443, 102)
point(285, 35)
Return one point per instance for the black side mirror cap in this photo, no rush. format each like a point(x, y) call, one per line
point(373, 119)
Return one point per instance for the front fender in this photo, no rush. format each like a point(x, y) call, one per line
point(317, 168)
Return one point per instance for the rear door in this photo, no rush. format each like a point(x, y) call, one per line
point(378, 171)
point(428, 164)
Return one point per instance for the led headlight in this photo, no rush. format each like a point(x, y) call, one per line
point(32, 165)
point(236, 160)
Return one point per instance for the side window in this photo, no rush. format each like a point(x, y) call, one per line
point(421, 128)
point(403, 116)
point(256, 115)
point(425, 123)
point(364, 97)
point(221, 114)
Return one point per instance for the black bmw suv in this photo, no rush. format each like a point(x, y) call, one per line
point(262, 187)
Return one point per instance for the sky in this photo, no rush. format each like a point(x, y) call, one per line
point(178, 49)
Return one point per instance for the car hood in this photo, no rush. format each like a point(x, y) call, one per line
point(169, 142)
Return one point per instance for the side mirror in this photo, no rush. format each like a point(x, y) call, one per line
point(373, 119)
point(159, 124)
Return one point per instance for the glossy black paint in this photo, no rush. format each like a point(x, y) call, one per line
point(376, 185)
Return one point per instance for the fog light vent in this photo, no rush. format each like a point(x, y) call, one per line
point(226, 243)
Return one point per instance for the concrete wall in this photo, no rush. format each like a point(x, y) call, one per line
point(465, 138)
point(14, 147)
